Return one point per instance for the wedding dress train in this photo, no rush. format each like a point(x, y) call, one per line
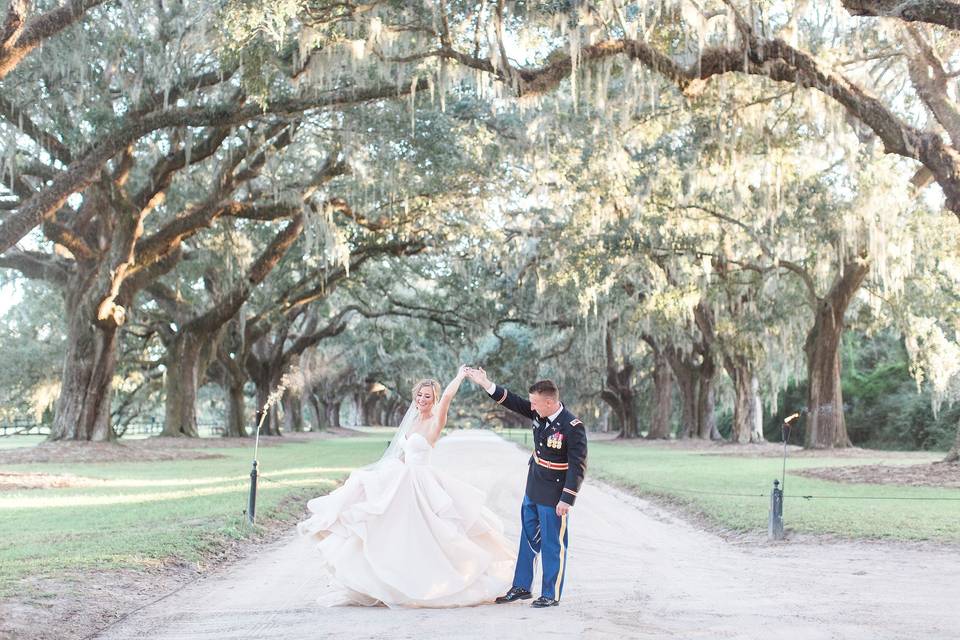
point(406, 534)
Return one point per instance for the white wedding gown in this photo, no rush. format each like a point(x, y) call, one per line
point(405, 534)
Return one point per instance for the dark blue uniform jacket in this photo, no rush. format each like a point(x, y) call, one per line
point(559, 459)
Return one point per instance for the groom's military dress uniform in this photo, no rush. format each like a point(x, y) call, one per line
point(556, 469)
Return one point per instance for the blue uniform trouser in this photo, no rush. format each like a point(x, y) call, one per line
point(545, 534)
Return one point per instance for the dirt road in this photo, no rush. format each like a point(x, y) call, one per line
point(635, 571)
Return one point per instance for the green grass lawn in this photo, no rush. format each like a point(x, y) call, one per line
point(697, 481)
point(14, 442)
point(148, 512)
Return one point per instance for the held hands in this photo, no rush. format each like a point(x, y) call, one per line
point(476, 375)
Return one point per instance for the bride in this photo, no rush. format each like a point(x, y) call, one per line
point(402, 533)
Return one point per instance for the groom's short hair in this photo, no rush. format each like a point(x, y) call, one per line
point(545, 388)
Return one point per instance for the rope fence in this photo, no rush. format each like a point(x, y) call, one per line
point(137, 428)
point(786, 495)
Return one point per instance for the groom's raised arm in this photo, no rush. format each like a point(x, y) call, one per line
point(503, 396)
point(511, 400)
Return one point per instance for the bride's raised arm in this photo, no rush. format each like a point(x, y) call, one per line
point(444, 405)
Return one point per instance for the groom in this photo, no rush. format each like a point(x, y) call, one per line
point(557, 466)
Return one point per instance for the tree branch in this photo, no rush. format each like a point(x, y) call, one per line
point(847, 283)
point(85, 170)
point(36, 265)
point(722, 216)
point(20, 36)
point(930, 80)
point(945, 13)
point(18, 118)
point(228, 307)
point(143, 277)
point(334, 327)
point(163, 171)
point(293, 300)
point(205, 214)
point(770, 58)
point(63, 235)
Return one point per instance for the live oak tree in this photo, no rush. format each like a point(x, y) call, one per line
point(812, 222)
point(161, 141)
point(707, 213)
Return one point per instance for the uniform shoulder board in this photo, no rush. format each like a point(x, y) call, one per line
point(576, 423)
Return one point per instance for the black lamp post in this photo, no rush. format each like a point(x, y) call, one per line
point(252, 499)
point(775, 521)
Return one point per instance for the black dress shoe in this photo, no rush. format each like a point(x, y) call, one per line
point(542, 602)
point(515, 593)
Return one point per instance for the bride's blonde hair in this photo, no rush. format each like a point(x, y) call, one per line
point(428, 382)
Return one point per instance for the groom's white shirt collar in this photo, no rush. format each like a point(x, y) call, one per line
point(553, 417)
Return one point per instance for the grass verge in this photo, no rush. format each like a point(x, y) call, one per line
point(126, 515)
point(732, 492)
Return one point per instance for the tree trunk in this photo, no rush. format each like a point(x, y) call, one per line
point(368, 408)
point(954, 454)
point(825, 423)
point(706, 403)
point(183, 374)
point(83, 407)
point(662, 398)
point(383, 414)
point(260, 373)
point(332, 411)
point(316, 410)
point(696, 385)
point(236, 426)
point(616, 406)
point(390, 411)
point(688, 382)
point(756, 429)
point(265, 384)
point(327, 410)
point(369, 404)
point(618, 389)
point(622, 404)
point(747, 419)
point(631, 423)
point(233, 379)
point(293, 411)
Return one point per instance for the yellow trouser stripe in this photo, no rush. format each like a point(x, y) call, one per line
point(563, 553)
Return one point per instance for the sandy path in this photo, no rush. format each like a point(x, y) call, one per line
point(634, 571)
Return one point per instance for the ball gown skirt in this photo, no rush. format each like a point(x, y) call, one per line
point(405, 534)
